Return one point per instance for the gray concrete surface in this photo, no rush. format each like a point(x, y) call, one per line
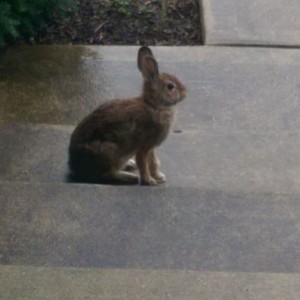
point(72, 225)
point(59, 84)
point(239, 124)
point(34, 153)
point(221, 160)
point(232, 163)
point(256, 22)
point(77, 284)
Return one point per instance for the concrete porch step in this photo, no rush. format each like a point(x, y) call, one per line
point(94, 226)
point(231, 203)
point(26, 283)
point(236, 161)
point(34, 152)
point(228, 88)
point(239, 124)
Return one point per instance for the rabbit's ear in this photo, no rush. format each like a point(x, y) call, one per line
point(149, 68)
point(143, 51)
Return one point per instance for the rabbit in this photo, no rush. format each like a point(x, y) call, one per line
point(103, 144)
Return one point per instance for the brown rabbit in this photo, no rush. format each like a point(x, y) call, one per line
point(103, 143)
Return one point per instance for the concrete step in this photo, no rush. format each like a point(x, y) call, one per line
point(256, 22)
point(73, 225)
point(236, 161)
point(34, 153)
point(243, 88)
point(231, 203)
point(20, 283)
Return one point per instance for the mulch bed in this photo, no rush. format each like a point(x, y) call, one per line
point(128, 22)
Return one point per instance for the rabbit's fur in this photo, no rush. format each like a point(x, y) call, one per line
point(104, 142)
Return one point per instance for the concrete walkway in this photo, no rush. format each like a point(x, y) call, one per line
point(224, 226)
point(256, 22)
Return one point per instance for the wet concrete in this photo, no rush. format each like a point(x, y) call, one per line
point(58, 84)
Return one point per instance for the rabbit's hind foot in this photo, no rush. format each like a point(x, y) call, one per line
point(130, 165)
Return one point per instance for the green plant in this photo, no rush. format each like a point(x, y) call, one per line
point(24, 19)
point(122, 7)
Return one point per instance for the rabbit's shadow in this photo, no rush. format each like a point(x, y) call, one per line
point(71, 178)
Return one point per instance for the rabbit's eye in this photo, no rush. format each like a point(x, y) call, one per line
point(170, 86)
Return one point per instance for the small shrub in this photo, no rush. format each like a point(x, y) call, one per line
point(24, 19)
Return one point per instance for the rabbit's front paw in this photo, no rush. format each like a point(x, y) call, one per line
point(160, 177)
point(148, 181)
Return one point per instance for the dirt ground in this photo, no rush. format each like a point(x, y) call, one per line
point(128, 22)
